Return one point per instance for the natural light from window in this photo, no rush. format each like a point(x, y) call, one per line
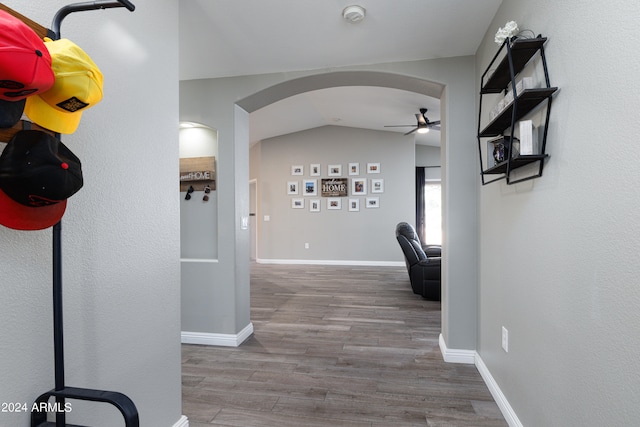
point(432, 212)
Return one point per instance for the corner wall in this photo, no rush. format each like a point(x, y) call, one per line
point(557, 254)
point(120, 233)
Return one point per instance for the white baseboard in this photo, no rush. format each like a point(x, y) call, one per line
point(224, 340)
point(182, 422)
point(456, 356)
point(472, 357)
point(331, 262)
point(506, 409)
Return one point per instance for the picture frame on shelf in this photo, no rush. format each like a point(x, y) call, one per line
point(373, 202)
point(373, 167)
point(292, 187)
point(310, 187)
point(314, 205)
point(377, 185)
point(354, 169)
point(358, 186)
point(314, 169)
point(297, 170)
point(334, 170)
point(354, 205)
point(334, 203)
point(297, 203)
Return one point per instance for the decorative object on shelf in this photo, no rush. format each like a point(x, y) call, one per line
point(500, 149)
point(528, 138)
point(509, 30)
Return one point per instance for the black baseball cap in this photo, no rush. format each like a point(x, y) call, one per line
point(38, 173)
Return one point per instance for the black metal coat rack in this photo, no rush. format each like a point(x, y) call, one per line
point(61, 392)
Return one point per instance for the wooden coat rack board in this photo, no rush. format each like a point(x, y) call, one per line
point(42, 407)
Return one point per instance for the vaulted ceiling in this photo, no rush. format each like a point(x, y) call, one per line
point(221, 38)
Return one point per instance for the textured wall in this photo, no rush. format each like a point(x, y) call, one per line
point(120, 233)
point(557, 254)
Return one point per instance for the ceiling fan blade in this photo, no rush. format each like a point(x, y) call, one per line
point(434, 127)
point(434, 123)
point(421, 119)
point(411, 131)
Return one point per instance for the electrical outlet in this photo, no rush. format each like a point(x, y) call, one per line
point(505, 339)
point(306, 246)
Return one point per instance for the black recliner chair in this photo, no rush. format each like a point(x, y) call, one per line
point(423, 262)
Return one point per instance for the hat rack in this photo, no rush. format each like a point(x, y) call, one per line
point(61, 392)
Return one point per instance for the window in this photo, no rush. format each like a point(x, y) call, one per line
point(432, 213)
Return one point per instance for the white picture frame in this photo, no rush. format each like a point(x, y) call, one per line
point(354, 205)
point(297, 203)
point(293, 187)
point(314, 169)
point(358, 186)
point(314, 205)
point(373, 202)
point(310, 187)
point(373, 167)
point(377, 185)
point(334, 203)
point(354, 169)
point(297, 170)
point(334, 170)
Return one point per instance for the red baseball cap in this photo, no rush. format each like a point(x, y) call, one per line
point(25, 62)
point(38, 173)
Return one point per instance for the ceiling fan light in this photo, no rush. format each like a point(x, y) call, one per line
point(353, 13)
point(423, 130)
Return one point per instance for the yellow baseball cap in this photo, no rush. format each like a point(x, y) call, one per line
point(78, 86)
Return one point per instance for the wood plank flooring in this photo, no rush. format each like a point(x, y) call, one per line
point(334, 346)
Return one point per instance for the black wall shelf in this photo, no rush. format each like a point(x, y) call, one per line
point(499, 77)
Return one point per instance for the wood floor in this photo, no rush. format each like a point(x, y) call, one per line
point(334, 346)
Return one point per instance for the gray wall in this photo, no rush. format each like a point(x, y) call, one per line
point(558, 254)
point(120, 233)
point(334, 235)
point(429, 157)
point(224, 286)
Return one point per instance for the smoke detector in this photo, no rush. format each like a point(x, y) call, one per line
point(353, 13)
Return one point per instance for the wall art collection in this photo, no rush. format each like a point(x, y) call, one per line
point(335, 187)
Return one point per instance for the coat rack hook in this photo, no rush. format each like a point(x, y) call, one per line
point(79, 7)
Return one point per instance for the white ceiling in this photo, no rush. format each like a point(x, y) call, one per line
point(220, 38)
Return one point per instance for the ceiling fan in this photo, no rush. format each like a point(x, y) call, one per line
point(423, 124)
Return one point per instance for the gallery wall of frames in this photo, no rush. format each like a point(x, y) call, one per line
point(316, 187)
